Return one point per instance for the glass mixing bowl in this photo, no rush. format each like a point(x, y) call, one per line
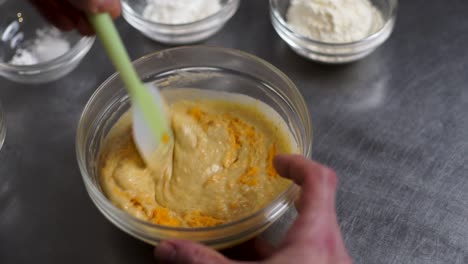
point(2, 127)
point(209, 68)
point(178, 33)
point(19, 24)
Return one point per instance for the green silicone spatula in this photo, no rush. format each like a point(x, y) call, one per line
point(150, 124)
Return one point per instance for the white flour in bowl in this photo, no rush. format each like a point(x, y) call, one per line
point(180, 11)
point(335, 21)
point(48, 45)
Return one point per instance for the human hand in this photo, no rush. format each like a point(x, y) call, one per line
point(315, 236)
point(71, 14)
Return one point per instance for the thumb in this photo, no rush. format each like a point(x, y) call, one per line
point(186, 252)
point(318, 183)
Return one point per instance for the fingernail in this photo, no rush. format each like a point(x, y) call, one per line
point(115, 9)
point(165, 252)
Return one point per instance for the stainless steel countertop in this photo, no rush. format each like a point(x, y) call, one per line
point(394, 126)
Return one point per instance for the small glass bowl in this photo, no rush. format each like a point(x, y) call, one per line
point(333, 53)
point(2, 127)
point(178, 33)
point(198, 67)
point(19, 22)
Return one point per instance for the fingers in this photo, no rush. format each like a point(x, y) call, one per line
point(316, 227)
point(264, 248)
point(68, 15)
point(112, 7)
point(317, 200)
point(256, 249)
point(186, 252)
point(84, 27)
point(51, 10)
point(318, 183)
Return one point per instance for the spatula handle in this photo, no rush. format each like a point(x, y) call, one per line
point(109, 36)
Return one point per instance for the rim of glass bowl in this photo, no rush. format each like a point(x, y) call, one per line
point(225, 10)
point(78, 51)
point(389, 23)
point(290, 192)
point(3, 127)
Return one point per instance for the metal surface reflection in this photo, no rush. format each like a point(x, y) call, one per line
point(393, 126)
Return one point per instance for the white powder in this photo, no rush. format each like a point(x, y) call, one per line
point(180, 11)
point(47, 46)
point(336, 21)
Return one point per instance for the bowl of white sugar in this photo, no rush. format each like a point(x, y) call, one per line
point(32, 50)
point(179, 21)
point(334, 31)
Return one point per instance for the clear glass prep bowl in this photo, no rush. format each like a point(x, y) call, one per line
point(203, 68)
point(193, 32)
point(19, 21)
point(333, 53)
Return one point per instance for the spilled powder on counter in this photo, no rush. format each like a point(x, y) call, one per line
point(336, 21)
point(48, 45)
point(180, 11)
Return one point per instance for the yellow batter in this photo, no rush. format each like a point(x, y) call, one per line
point(218, 170)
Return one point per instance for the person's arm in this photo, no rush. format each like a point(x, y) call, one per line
point(71, 14)
point(315, 236)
